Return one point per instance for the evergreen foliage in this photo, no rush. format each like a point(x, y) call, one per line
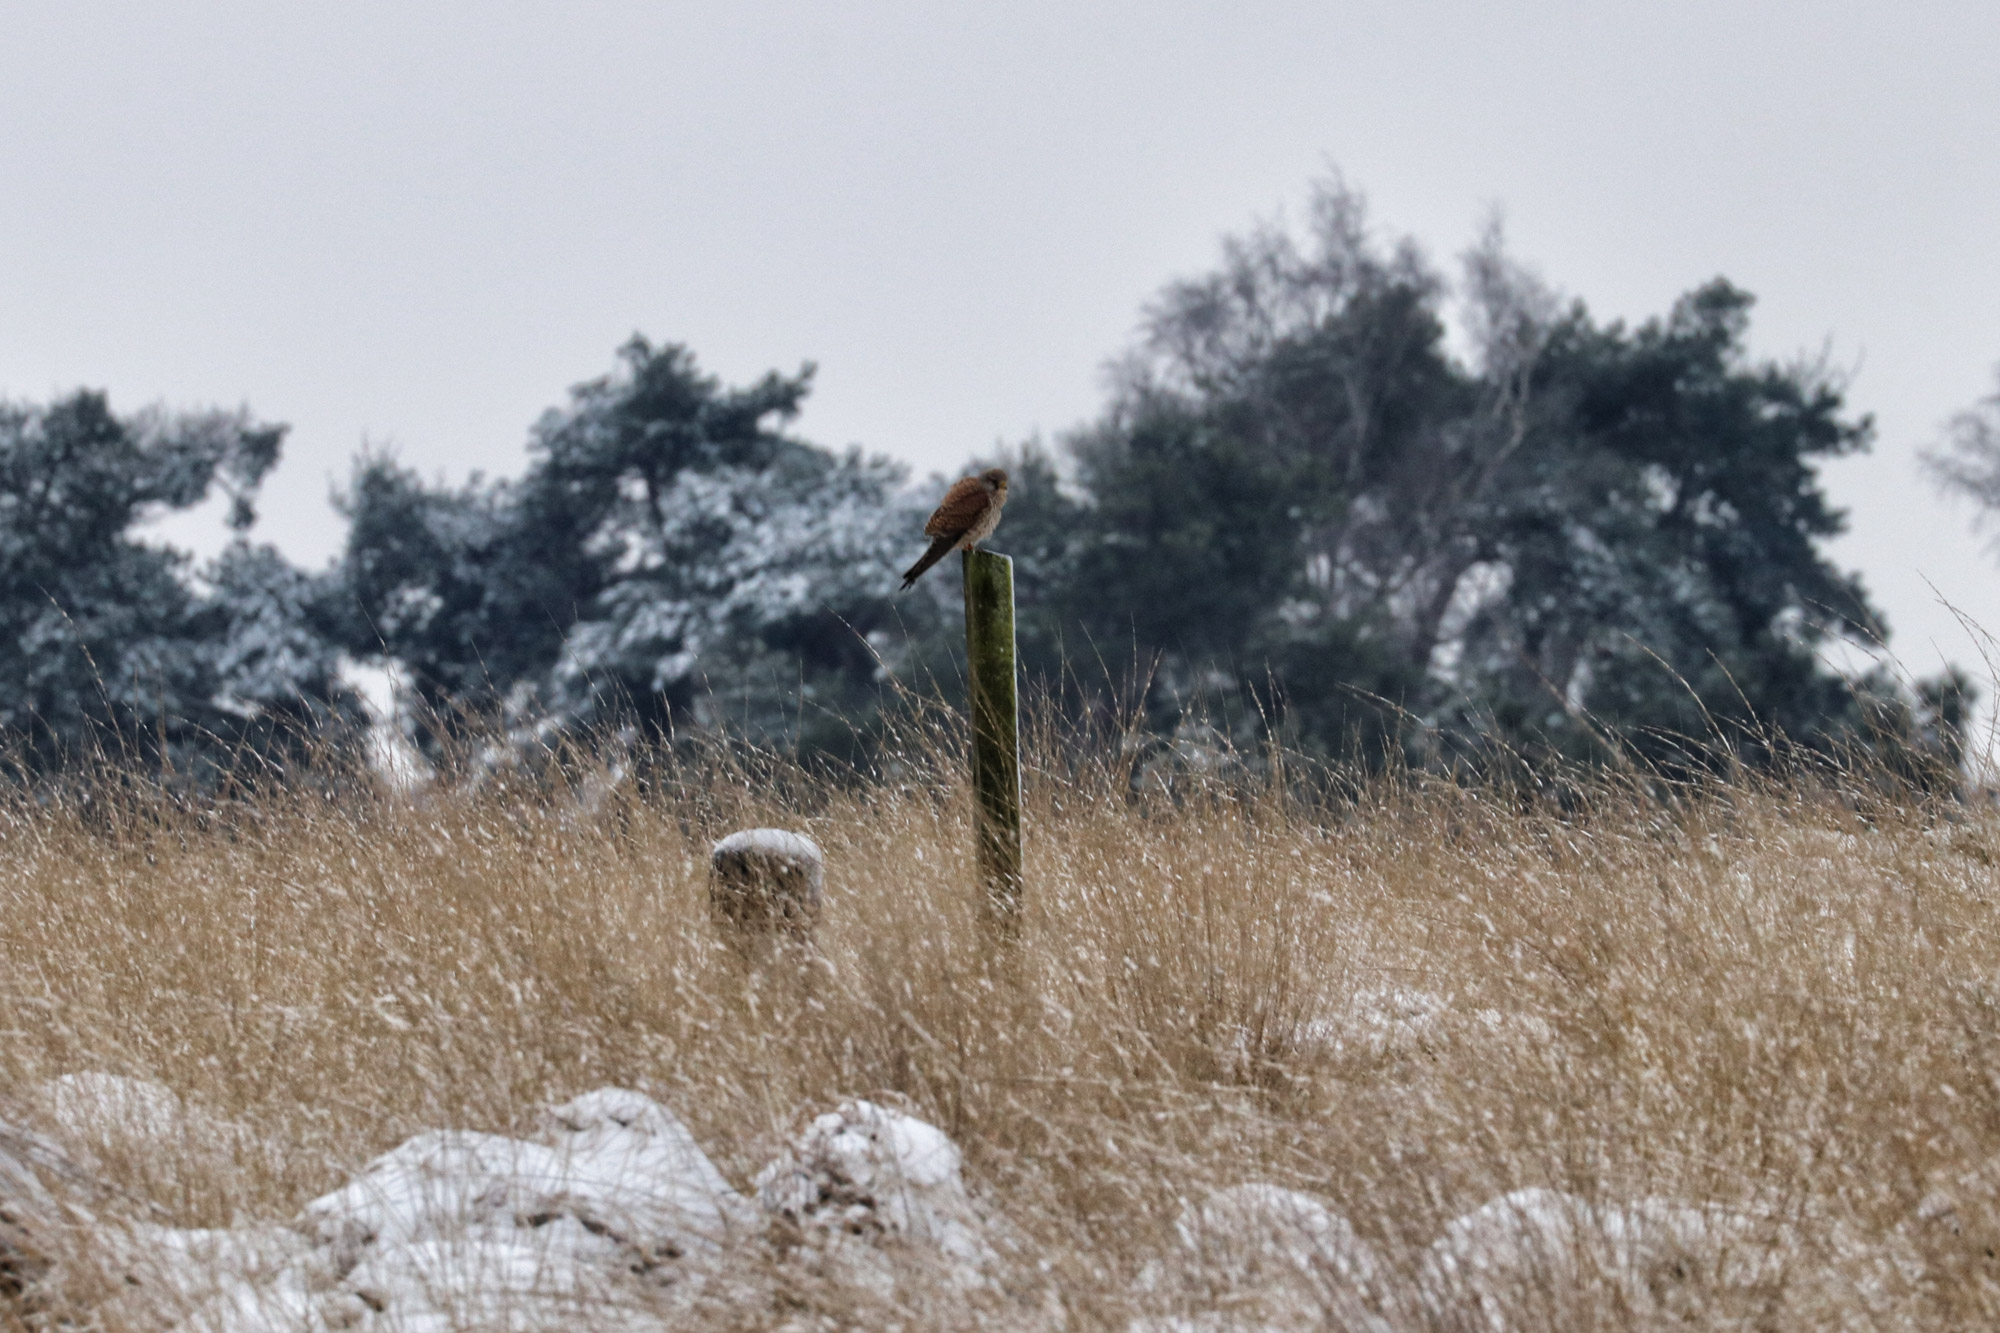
point(107, 645)
point(670, 559)
point(1334, 499)
point(1302, 507)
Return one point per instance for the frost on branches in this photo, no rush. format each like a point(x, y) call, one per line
point(107, 645)
point(670, 557)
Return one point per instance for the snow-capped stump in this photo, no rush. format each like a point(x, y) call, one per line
point(767, 881)
point(866, 1172)
point(1258, 1255)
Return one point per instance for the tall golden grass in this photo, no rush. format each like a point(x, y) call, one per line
point(1781, 995)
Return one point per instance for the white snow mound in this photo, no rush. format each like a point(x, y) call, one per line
point(1264, 1257)
point(602, 1223)
point(615, 1161)
point(612, 1218)
point(1537, 1258)
point(100, 1113)
point(864, 1169)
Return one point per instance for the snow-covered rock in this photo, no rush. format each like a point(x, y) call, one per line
point(440, 1183)
point(610, 1218)
point(1537, 1258)
point(606, 1220)
point(864, 1171)
point(109, 1115)
point(98, 1103)
point(1258, 1256)
point(1964, 1203)
point(554, 1277)
point(1266, 1224)
point(636, 1169)
point(1507, 1253)
point(26, 1159)
point(615, 1161)
point(160, 1271)
point(296, 1299)
point(42, 1191)
point(1497, 1026)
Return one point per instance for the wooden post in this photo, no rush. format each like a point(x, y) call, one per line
point(996, 729)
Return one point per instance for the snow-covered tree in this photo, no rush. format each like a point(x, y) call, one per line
point(108, 645)
point(669, 558)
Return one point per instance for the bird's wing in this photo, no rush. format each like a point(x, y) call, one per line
point(962, 505)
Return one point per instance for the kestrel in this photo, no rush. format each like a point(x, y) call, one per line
point(969, 513)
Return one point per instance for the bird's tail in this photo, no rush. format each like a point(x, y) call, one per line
point(931, 557)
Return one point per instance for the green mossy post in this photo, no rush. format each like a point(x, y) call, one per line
point(996, 729)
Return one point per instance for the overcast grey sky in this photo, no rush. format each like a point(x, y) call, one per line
point(417, 224)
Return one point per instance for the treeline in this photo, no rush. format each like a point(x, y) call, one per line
point(1307, 513)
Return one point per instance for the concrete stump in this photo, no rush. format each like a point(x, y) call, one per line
point(767, 881)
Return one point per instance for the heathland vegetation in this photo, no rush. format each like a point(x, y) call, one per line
point(1461, 891)
point(1745, 1026)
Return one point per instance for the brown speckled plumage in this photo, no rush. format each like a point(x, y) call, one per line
point(965, 517)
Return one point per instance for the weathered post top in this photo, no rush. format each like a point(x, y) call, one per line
point(767, 882)
point(996, 729)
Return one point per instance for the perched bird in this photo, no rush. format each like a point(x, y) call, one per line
point(969, 513)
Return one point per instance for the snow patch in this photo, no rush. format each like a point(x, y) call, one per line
point(1381, 1021)
point(864, 1171)
point(615, 1161)
point(1261, 1256)
point(612, 1218)
point(1537, 1258)
point(772, 842)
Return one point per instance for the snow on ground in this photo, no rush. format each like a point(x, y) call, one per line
point(864, 1174)
point(103, 1117)
point(612, 1217)
point(1267, 1258)
point(1394, 1021)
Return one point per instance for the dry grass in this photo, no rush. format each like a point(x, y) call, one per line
point(1771, 996)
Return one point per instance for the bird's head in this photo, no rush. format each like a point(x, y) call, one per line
point(994, 479)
